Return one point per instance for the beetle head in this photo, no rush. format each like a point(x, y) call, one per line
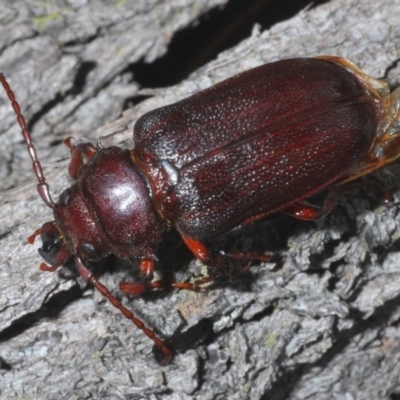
point(74, 232)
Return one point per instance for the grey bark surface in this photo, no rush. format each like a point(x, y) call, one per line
point(319, 323)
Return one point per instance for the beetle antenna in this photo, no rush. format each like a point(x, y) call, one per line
point(89, 277)
point(42, 187)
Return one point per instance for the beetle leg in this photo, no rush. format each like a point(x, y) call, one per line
point(79, 156)
point(309, 212)
point(138, 288)
point(221, 266)
point(146, 271)
point(250, 256)
point(304, 211)
point(198, 249)
point(146, 268)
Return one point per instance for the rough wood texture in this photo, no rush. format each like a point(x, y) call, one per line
point(319, 324)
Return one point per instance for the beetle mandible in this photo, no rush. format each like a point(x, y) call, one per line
point(258, 143)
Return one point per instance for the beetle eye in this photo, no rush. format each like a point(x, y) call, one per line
point(64, 196)
point(90, 251)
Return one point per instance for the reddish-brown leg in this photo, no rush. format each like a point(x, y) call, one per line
point(221, 266)
point(249, 256)
point(198, 249)
point(79, 156)
point(146, 268)
point(146, 271)
point(138, 288)
point(88, 277)
point(309, 212)
point(304, 211)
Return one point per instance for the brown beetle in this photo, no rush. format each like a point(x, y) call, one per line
point(258, 143)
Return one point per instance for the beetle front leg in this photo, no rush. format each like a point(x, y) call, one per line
point(146, 268)
point(79, 156)
point(146, 271)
